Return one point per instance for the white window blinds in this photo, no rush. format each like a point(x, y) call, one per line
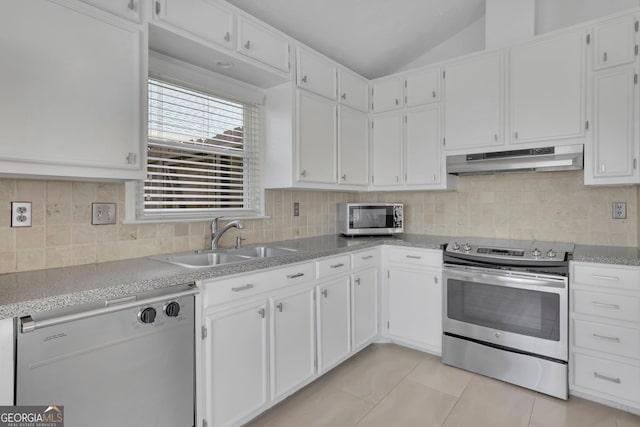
point(202, 154)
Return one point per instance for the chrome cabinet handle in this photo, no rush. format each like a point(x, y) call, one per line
point(605, 305)
point(356, 281)
point(325, 292)
point(293, 276)
point(337, 265)
point(247, 45)
point(227, 36)
point(603, 337)
point(598, 276)
point(414, 256)
point(367, 257)
point(279, 307)
point(343, 96)
point(304, 79)
point(606, 378)
point(261, 313)
point(242, 288)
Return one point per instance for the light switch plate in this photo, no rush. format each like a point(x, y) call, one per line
point(21, 214)
point(103, 213)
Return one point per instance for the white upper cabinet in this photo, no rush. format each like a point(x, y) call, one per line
point(73, 92)
point(316, 74)
point(353, 146)
point(204, 19)
point(614, 42)
point(422, 87)
point(611, 158)
point(262, 44)
point(387, 149)
point(387, 94)
point(128, 9)
point(353, 90)
point(316, 131)
point(547, 87)
point(473, 103)
point(422, 144)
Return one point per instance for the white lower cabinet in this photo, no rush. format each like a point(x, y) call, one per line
point(6, 362)
point(364, 307)
point(292, 340)
point(605, 334)
point(414, 298)
point(334, 323)
point(236, 363)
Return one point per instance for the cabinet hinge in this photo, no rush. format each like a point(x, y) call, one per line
point(586, 125)
point(158, 8)
point(315, 364)
point(635, 79)
point(405, 83)
point(372, 180)
point(443, 74)
point(387, 324)
point(636, 26)
point(371, 120)
point(205, 423)
point(388, 274)
point(131, 158)
point(588, 38)
point(204, 332)
point(444, 142)
point(405, 117)
point(636, 50)
point(635, 163)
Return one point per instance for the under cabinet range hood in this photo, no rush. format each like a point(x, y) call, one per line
point(561, 158)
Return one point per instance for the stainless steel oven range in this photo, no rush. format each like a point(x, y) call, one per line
point(505, 311)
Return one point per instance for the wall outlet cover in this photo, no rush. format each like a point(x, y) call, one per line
point(21, 214)
point(619, 210)
point(103, 213)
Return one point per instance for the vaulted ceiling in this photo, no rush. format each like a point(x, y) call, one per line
point(372, 37)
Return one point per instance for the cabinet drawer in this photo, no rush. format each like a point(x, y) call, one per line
point(417, 257)
point(365, 258)
point(617, 379)
point(334, 265)
point(607, 338)
point(621, 307)
point(226, 290)
point(609, 277)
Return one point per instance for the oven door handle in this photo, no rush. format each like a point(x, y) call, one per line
point(508, 279)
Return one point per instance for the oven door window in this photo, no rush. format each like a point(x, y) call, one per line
point(521, 311)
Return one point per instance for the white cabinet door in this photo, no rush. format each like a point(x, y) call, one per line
point(204, 19)
point(387, 94)
point(473, 114)
point(422, 141)
point(353, 127)
point(364, 307)
point(292, 341)
point(316, 74)
point(263, 44)
point(316, 137)
point(387, 149)
point(354, 90)
point(72, 91)
point(612, 156)
point(6, 362)
point(614, 42)
point(334, 323)
point(422, 87)
point(415, 307)
point(128, 9)
point(548, 88)
point(235, 363)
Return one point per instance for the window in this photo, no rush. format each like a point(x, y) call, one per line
point(202, 155)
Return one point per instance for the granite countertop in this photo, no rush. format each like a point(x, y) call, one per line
point(43, 290)
point(620, 255)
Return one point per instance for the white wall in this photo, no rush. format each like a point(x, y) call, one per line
point(508, 22)
point(555, 14)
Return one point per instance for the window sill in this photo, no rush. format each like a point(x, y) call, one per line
point(188, 219)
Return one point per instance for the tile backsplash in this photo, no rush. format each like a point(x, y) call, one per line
point(545, 206)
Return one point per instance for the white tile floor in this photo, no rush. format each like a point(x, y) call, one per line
point(387, 385)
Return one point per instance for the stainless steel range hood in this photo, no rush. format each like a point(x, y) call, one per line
point(567, 157)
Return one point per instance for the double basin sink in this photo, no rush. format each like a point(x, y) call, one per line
point(214, 257)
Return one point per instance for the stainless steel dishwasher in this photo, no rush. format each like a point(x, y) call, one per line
point(125, 362)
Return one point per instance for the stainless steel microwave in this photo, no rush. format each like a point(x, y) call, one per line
point(360, 219)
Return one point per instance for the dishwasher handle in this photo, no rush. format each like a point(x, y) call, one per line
point(28, 324)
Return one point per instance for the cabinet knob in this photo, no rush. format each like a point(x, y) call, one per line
point(325, 293)
point(397, 101)
point(227, 37)
point(434, 93)
point(604, 57)
point(303, 172)
point(247, 45)
point(515, 135)
point(344, 177)
point(158, 8)
point(435, 279)
point(279, 307)
point(356, 281)
point(132, 5)
point(344, 96)
point(261, 313)
point(304, 79)
point(434, 177)
point(495, 137)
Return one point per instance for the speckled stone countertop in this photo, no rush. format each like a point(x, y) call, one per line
point(621, 255)
point(43, 290)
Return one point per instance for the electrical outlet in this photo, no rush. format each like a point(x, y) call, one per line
point(103, 213)
point(619, 210)
point(21, 214)
point(296, 209)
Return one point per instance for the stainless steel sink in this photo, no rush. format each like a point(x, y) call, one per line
point(214, 257)
point(264, 251)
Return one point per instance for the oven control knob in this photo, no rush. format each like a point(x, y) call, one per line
point(536, 252)
point(172, 309)
point(455, 246)
point(466, 247)
point(147, 315)
point(551, 253)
